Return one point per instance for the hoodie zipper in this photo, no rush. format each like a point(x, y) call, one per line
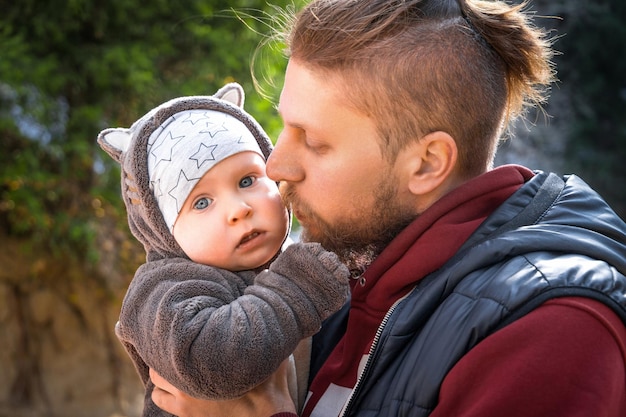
point(379, 332)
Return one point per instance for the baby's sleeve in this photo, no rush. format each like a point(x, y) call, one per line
point(216, 334)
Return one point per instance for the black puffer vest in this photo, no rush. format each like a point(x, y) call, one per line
point(550, 239)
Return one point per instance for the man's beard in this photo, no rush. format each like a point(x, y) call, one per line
point(359, 239)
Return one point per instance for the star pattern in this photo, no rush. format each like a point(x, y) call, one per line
point(169, 142)
point(195, 117)
point(215, 129)
point(174, 191)
point(156, 186)
point(205, 154)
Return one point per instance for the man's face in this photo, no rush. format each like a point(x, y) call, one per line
point(332, 172)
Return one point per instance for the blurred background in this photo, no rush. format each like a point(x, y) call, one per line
point(71, 68)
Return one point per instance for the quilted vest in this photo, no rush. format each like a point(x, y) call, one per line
point(486, 286)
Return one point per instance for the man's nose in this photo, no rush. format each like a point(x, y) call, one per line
point(284, 163)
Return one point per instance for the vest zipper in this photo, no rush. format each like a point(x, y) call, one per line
point(379, 332)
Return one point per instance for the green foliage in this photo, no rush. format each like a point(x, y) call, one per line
point(593, 64)
point(71, 68)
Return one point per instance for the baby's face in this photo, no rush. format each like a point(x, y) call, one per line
point(234, 217)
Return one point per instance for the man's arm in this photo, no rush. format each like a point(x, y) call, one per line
point(271, 398)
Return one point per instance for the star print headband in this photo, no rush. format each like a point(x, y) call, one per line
point(185, 147)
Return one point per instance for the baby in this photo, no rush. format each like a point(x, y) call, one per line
point(218, 305)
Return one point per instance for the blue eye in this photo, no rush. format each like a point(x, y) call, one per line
point(246, 182)
point(202, 203)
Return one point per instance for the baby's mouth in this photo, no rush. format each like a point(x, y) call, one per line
point(249, 237)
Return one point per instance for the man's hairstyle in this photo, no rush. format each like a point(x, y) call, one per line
point(466, 67)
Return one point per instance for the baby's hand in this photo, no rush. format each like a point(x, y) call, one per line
point(313, 260)
point(328, 260)
point(318, 272)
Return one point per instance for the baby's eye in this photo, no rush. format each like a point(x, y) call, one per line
point(246, 181)
point(202, 203)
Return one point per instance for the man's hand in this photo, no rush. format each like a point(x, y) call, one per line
point(269, 398)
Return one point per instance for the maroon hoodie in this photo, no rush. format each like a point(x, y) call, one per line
point(485, 382)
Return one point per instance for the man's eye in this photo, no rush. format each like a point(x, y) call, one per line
point(202, 203)
point(246, 182)
point(317, 147)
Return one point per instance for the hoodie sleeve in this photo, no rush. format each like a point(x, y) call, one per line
point(216, 334)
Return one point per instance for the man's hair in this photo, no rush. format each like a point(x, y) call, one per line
point(466, 67)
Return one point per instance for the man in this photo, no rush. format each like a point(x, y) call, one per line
point(477, 291)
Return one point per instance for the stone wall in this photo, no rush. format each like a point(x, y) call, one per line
point(59, 356)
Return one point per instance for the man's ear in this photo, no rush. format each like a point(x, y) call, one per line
point(430, 164)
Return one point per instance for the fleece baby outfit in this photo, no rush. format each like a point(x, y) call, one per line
point(212, 333)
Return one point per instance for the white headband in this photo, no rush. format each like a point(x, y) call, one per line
point(185, 147)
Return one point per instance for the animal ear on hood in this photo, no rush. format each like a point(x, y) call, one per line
point(233, 93)
point(115, 141)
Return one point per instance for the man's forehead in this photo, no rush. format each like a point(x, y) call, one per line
point(308, 95)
